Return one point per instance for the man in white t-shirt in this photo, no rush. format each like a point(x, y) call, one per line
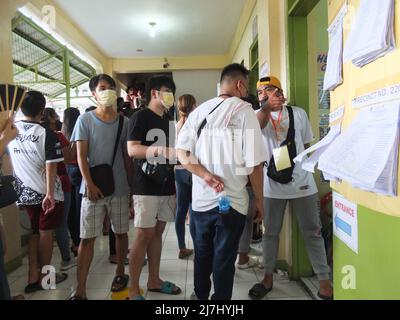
point(35, 154)
point(301, 192)
point(221, 157)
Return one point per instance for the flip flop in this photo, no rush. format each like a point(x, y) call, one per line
point(259, 291)
point(77, 298)
point(33, 287)
point(167, 288)
point(119, 283)
point(325, 298)
point(185, 253)
point(126, 262)
point(61, 277)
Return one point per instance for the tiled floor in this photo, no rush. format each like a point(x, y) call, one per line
point(178, 271)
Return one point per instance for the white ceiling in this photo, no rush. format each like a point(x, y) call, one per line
point(184, 27)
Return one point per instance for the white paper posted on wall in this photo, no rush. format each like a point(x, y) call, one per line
point(366, 154)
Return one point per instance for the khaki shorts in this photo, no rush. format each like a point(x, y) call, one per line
point(150, 209)
point(94, 212)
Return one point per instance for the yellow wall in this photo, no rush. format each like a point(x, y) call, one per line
point(357, 81)
point(318, 42)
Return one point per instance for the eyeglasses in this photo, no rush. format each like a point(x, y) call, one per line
point(278, 92)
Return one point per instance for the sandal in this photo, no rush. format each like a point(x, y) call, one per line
point(325, 298)
point(184, 253)
point(33, 287)
point(61, 277)
point(18, 297)
point(77, 298)
point(112, 261)
point(119, 283)
point(259, 291)
point(167, 288)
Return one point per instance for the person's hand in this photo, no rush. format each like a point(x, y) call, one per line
point(168, 153)
point(48, 204)
point(94, 193)
point(258, 210)
point(10, 131)
point(214, 182)
point(275, 101)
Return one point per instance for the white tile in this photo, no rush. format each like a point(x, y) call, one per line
point(174, 266)
point(160, 296)
point(50, 295)
point(245, 276)
point(170, 254)
point(99, 281)
point(98, 294)
point(241, 290)
point(289, 298)
point(287, 290)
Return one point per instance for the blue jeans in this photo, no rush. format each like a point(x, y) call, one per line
point(4, 287)
point(216, 240)
point(183, 199)
point(62, 235)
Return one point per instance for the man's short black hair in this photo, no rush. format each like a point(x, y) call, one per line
point(33, 104)
point(157, 82)
point(234, 71)
point(96, 79)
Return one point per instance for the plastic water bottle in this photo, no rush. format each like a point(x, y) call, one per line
point(224, 203)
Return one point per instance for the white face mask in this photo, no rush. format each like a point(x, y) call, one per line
point(107, 98)
point(167, 99)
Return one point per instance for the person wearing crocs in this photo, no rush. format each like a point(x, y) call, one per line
point(35, 154)
point(100, 136)
point(151, 136)
point(221, 145)
point(301, 192)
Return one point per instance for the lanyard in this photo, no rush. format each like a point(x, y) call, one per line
point(276, 123)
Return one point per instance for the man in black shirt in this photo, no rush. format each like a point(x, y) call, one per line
point(151, 139)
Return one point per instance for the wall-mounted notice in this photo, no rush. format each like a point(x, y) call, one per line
point(336, 115)
point(378, 96)
point(345, 221)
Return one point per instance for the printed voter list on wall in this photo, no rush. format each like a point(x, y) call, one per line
point(345, 221)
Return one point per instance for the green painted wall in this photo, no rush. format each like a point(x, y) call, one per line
point(377, 264)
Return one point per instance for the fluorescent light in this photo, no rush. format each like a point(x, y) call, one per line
point(152, 29)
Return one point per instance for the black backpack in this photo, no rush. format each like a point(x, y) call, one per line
point(285, 176)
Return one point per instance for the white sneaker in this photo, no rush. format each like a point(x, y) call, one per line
point(66, 265)
point(252, 263)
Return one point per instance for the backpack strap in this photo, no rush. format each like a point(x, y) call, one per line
point(203, 124)
point(120, 125)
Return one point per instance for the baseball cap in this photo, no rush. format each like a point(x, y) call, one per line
point(269, 81)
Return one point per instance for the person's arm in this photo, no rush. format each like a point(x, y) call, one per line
point(49, 202)
point(138, 151)
point(272, 103)
point(190, 163)
point(263, 117)
point(128, 166)
point(257, 183)
point(9, 133)
point(93, 192)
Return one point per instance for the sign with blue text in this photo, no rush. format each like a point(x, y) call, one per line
point(345, 221)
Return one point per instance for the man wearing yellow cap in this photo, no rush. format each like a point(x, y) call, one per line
point(298, 188)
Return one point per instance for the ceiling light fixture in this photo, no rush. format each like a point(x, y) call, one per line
point(152, 29)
